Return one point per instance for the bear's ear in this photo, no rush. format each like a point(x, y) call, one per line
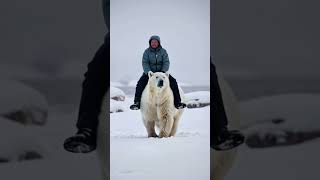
point(150, 73)
point(167, 73)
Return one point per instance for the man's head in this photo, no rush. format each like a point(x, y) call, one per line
point(154, 41)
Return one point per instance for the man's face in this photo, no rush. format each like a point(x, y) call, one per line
point(154, 43)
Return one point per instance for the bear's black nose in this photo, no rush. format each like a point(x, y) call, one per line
point(160, 83)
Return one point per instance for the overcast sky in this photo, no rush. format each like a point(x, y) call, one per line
point(184, 29)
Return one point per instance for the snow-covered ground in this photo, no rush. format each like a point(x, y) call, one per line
point(136, 157)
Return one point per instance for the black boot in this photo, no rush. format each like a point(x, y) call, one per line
point(84, 141)
point(135, 106)
point(226, 140)
point(180, 105)
point(176, 94)
point(141, 84)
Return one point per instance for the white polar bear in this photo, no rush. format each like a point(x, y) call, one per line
point(157, 106)
point(221, 161)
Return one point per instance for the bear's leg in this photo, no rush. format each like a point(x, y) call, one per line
point(166, 124)
point(150, 128)
point(175, 126)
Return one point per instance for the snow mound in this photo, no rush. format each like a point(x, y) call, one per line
point(281, 120)
point(119, 102)
point(117, 94)
point(20, 143)
point(198, 99)
point(21, 103)
point(116, 106)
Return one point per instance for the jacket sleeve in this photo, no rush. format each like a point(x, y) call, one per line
point(166, 62)
point(145, 63)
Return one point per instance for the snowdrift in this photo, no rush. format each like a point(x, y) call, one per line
point(21, 103)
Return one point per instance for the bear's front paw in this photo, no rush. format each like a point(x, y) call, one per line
point(163, 134)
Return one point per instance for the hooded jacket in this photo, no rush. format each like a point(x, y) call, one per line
point(155, 60)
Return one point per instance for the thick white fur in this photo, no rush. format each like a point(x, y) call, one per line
point(157, 107)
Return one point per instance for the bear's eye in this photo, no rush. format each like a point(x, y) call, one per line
point(157, 77)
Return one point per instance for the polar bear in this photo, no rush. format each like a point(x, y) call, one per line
point(221, 161)
point(157, 106)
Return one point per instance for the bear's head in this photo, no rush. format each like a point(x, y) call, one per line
point(158, 80)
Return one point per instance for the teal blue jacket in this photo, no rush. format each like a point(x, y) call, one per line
point(155, 60)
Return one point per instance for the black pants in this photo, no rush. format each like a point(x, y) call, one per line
point(218, 115)
point(143, 81)
point(95, 85)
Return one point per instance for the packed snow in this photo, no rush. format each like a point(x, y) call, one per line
point(136, 157)
point(117, 94)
